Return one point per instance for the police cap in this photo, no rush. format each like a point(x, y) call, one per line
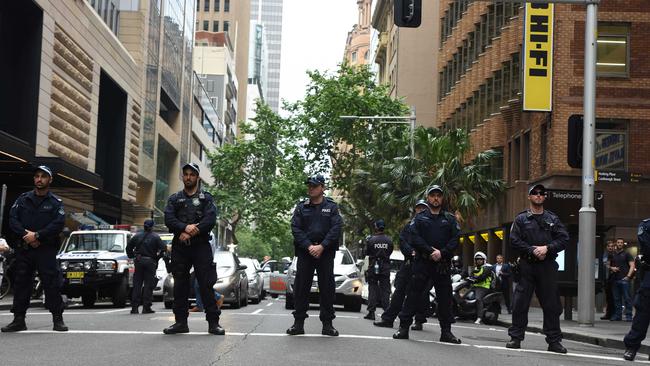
point(317, 179)
point(193, 166)
point(44, 168)
point(434, 188)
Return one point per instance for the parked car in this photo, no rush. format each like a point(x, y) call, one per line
point(274, 274)
point(255, 281)
point(232, 281)
point(161, 271)
point(347, 279)
point(95, 265)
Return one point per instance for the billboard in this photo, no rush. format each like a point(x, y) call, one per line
point(538, 57)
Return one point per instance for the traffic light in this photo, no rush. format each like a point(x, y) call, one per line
point(407, 13)
point(574, 149)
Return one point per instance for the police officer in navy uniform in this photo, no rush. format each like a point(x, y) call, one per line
point(537, 236)
point(146, 248)
point(191, 214)
point(403, 279)
point(641, 318)
point(379, 247)
point(434, 235)
point(316, 226)
point(37, 218)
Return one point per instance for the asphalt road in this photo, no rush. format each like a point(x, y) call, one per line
point(255, 336)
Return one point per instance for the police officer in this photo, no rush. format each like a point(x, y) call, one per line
point(190, 214)
point(537, 236)
point(481, 280)
point(37, 218)
point(316, 227)
point(147, 248)
point(403, 279)
point(641, 318)
point(379, 247)
point(434, 234)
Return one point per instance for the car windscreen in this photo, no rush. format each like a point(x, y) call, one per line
point(250, 265)
point(225, 263)
point(343, 257)
point(93, 242)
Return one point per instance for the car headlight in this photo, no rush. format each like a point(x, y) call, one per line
point(88, 265)
point(353, 275)
point(106, 265)
point(64, 265)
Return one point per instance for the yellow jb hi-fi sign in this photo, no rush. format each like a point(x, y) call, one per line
point(538, 57)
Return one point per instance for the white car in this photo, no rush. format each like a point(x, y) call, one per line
point(161, 271)
point(396, 260)
point(347, 279)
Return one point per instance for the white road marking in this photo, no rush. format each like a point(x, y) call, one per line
point(257, 311)
point(269, 304)
point(570, 354)
point(112, 311)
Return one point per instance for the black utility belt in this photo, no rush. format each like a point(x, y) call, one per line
point(531, 258)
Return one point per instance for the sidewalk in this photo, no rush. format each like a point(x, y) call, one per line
point(604, 332)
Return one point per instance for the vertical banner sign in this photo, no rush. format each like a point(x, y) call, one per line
point(538, 57)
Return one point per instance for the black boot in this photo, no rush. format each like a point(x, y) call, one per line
point(513, 343)
point(370, 315)
point(383, 323)
point(178, 327)
point(215, 328)
point(147, 310)
point(417, 326)
point(449, 337)
point(329, 330)
point(556, 347)
point(59, 325)
point(16, 325)
point(134, 310)
point(402, 332)
point(629, 354)
point(297, 328)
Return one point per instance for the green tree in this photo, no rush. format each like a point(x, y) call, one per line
point(259, 179)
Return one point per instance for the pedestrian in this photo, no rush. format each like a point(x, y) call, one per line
point(316, 228)
point(37, 218)
point(434, 235)
point(191, 214)
point(4, 247)
point(481, 280)
point(537, 235)
point(145, 248)
point(503, 272)
point(621, 271)
point(403, 279)
point(608, 256)
point(199, 302)
point(641, 319)
point(379, 247)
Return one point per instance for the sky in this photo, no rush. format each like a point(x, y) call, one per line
point(314, 33)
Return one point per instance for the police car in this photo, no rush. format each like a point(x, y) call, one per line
point(95, 265)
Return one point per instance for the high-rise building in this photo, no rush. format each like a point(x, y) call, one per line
point(269, 14)
point(232, 17)
point(258, 70)
point(480, 90)
point(406, 56)
point(357, 46)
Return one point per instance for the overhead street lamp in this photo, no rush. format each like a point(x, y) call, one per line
point(398, 120)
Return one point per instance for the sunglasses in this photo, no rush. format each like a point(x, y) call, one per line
point(538, 193)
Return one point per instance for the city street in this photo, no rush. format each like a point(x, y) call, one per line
point(255, 335)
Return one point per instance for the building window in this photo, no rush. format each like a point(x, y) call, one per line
point(543, 148)
point(354, 56)
point(215, 26)
point(226, 6)
point(206, 25)
point(198, 6)
point(197, 149)
point(515, 158)
point(365, 55)
point(613, 57)
point(226, 25)
point(216, 5)
point(525, 157)
point(611, 144)
point(206, 5)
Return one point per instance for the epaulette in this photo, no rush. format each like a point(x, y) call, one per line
point(553, 214)
point(329, 199)
point(56, 197)
point(449, 215)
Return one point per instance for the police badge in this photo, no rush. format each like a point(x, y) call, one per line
point(196, 202)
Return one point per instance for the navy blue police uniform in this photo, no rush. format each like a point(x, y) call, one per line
point(146, 249)
point(641, 318)
point(315, 224)
point(540, 276)
point(182, 210)
point(379, 247)
point(428, 232)
point(44, 215)
point(402, 282)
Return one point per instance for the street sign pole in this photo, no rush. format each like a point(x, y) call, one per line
point(587, 215)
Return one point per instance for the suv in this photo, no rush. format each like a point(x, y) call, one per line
point(346, 278)
point(94, 264)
